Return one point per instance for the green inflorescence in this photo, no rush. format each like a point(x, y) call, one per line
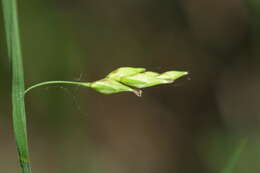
point(125, 79)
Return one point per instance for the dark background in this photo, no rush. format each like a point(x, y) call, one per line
point(192, 126)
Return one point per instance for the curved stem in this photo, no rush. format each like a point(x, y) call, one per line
point(85, 84)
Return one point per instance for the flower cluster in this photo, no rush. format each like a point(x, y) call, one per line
point(133, 79)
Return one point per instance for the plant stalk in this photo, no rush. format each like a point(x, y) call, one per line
point(85, 84)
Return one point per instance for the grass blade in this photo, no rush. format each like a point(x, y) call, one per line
point(18, 107)
point(235, 157)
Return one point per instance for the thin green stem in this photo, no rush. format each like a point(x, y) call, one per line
point(85, 84)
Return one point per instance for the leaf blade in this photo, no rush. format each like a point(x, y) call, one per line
point(18, 106)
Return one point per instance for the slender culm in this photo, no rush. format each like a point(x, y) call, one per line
point(85, 84)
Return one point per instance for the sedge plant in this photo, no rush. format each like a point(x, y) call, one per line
point(124, 79)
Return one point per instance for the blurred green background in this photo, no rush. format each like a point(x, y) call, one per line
point(192, 126)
